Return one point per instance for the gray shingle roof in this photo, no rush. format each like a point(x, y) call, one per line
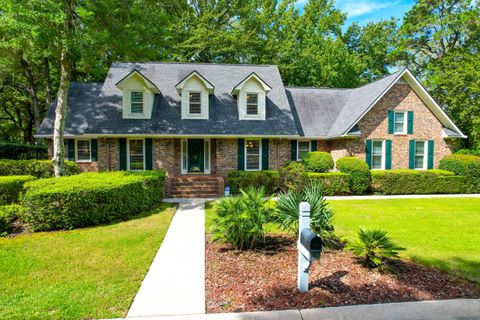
point(97, 109)
point(331, 113)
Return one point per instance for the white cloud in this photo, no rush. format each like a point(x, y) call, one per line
point(360, 7)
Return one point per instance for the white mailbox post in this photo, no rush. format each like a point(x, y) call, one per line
point(309, 246)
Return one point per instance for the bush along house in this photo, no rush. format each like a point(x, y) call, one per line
point(197, 121)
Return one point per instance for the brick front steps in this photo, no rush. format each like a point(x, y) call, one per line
point(196, 186)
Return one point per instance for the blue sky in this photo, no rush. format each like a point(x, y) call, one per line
point(365, 11)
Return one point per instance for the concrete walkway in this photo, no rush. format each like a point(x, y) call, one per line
point(464, 309)
point(175, 282)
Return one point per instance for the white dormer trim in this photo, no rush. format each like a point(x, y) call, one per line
point(210, 87)
point(252, 84)
point(265, 86)
point(195, 83)
point(136, 82)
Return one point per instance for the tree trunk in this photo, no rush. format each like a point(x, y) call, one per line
point(48, 84)
point(60, 114)
point(32, 90)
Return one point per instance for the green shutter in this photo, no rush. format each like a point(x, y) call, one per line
point(410, 122)
point(264, 154)
point(241, 154)
point(388, 154)
point(148, 154)
point(293, 150)
point(391, 115)
point(123, 154)
point(313, 145)
point(430, 154)
point(411, 155)
point(71, 149)
point(368, 153)
point(93, 144)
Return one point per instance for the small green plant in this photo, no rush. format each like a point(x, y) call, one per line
point(318, 161)
point(374, 246)
point(321, 214)
point(8, 214)
point(240, 220)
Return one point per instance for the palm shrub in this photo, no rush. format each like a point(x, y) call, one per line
point(374, 246)
point(240, 220)
point(321, 215)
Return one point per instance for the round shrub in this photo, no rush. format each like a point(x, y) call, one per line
point(90, 199)
point(333, 183)
point(461, 164)
point(238, 180)
point(359, 173)
point(10, 188)
point(318, 161)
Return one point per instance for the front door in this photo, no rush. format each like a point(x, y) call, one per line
point(195, 155)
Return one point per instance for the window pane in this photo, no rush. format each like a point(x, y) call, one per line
point(207, 155)
point(304, 146)
point(195, 102)
point(136, 101)
point(419, 148)
point(83, 150)
point(418, 162)
point(252, 104)
point(377, 162)
point(253, 154)
point(377, 147)
point(301, 154)
point(399, 122)
point(136, 154)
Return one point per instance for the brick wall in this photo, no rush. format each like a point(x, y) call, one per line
point(374, 125)
point(226, 155)
point(279, 153)
point(108, 154)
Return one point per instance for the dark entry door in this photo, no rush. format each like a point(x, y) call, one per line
point(195, 156)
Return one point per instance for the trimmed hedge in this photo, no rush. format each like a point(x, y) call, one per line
point(90, 199)
point(237, 180)
point(17, 151)
point(333, 183)
point(464, 165)
point(417, 182)
point(36, 168)
point(360, 177)
point(10, 188)
point(318, 161)
point(7, 215)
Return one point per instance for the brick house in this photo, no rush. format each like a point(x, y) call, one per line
point(197, 121)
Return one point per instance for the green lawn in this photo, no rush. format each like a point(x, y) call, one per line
point(441, 232)
point(83, 273)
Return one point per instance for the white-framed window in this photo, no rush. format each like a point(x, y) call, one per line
point(303, 147)
point(136, 101)
point(420, 153)
point(378, 154)
point(194, 102)
point(252, 104)
point(253, 152)
point(83, 150)
point(136, 154)
point(400, 122)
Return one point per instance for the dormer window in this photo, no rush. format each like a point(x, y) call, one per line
point(195, 91)
point(252, 104)
point(136, 102)
point(251, 95)
point(138, 94)
point(195, 103)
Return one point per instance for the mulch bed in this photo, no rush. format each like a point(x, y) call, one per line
point(266, 279)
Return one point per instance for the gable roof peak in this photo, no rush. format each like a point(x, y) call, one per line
point(253, 75)
point(136, 72)
point(210, 87)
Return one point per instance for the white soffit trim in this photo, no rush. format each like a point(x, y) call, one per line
point(134, 72)
point(265, 86)
point(179, 86)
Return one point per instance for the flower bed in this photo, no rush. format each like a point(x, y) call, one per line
point(265, 279)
